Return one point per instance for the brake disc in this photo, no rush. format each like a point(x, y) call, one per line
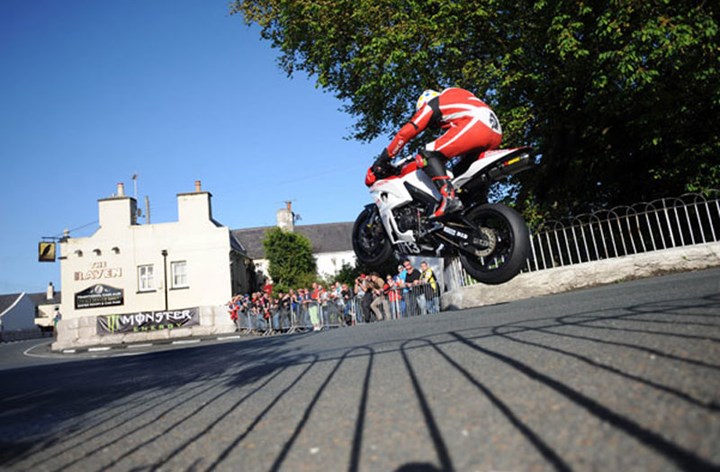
point(484, 245)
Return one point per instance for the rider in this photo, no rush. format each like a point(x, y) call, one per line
point(470, 126)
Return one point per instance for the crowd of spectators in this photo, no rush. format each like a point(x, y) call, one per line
point(409, 292)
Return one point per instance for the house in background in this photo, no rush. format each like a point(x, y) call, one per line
point(46, 306)
point(17, 317)
point(331, 242)
point(17, 310)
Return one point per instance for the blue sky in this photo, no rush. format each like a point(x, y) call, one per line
point(92, 92)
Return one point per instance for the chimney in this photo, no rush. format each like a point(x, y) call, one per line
point(118, 211)
point(286, 217)
point(50, 291)
point(194, 207)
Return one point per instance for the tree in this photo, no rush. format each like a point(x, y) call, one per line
point(348, 273)
point(621, 99)
point(387, 267)
point(290, 256)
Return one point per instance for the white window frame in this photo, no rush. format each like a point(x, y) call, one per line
point(146, 278)
point(179, 277)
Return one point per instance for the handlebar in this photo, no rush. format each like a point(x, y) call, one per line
point(398, 162)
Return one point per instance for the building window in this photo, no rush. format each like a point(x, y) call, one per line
point(146, 278)
point(179, 274)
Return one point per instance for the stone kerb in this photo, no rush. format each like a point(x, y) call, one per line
point(82, 332)
point(563, 279)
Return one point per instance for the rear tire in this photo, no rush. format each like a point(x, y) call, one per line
point(509, 248)
point(369, 239)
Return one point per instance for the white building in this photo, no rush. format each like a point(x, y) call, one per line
point(47, 305)
point(130, 282)
point(331, 242)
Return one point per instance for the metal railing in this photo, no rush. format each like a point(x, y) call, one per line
point(644, 227)
point(311, 315)
point(621, 231)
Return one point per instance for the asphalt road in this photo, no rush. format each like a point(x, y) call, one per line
point(621, 377)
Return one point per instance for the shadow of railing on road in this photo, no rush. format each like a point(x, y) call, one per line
point(234, 407)
point(213, 381)
point(711, 406)
point(62, 411)
point(557, 326)
point(438, 442)
point(265, 372)
point(535, 439)
point(673, 452)
point(105, 425)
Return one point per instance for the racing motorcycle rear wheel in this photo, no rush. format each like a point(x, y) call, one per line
point(369, 239)
point(500, 244)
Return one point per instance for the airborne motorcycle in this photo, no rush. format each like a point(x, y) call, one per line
point(491, 239)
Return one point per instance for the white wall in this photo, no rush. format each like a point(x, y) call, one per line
point(113, 254)
point(329, 263)
point(588, 274)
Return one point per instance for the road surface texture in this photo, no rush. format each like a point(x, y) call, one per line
point(620, 377)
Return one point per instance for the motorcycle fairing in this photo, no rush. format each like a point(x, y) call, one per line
point(484, 160)
point(397, 190)
point(393, 193)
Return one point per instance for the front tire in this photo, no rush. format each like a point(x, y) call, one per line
point(369, 239)
point(508, 244)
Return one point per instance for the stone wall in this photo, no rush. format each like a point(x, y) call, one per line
point(82, 332)
point(563, 279)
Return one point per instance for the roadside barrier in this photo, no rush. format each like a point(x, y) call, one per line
point(665, 223)
point(313, 315)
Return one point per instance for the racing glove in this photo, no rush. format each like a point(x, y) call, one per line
point(382, 167)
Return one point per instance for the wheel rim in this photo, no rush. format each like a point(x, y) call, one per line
point(495, 230)
point(370, 237)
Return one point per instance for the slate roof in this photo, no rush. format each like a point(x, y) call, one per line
point(6, 301)
point(328, 237)
point(251, 240)
point(37, 299)
point(41, 299)
point(235, 244)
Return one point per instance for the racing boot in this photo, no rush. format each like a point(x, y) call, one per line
point(450, 203)
point(433, 163)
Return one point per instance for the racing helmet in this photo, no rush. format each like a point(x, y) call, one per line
point(425, 97)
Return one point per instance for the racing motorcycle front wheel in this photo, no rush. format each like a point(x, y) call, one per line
point(500, 244)
point(369, 239)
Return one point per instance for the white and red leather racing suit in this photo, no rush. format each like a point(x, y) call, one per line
point(471, 125)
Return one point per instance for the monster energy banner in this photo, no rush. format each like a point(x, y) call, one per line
point(147, 321)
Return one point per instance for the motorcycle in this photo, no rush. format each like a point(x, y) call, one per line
point(491, 239)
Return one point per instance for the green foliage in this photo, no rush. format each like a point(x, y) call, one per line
point(621, 99)
point(346, 275)
point(291, 261)
point(387, 267)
